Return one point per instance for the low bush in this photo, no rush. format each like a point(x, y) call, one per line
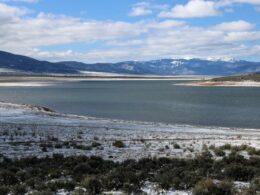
point(219, 152)
point(254, 188)
point(95, 144)
point(92, 184)
point(176, 146)
point(4, 190)
point(208, 187)
point(97, 175)
point(118, 144)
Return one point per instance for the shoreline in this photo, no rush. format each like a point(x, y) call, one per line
point(38, 81)
point(26, 84)
point(86, 77)
point(49, 112)
point(221, 84)
point(25, 128)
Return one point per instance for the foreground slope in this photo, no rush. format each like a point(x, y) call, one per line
point(137, 157)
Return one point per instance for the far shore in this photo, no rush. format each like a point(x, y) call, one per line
point(4, 78)
point(221, 83)
point(38, 80)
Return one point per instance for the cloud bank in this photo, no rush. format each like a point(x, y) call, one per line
point(154, 38)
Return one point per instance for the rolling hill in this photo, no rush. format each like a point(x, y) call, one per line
point(19, 63)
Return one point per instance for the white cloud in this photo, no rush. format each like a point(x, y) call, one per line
point(132, 42)
point(170, 43)
point(228, 2)
point(146, 8)
point(204, 8)
point(242, 36)
point(164, 24)
point(46, 29)
point(239, 25)
point(141, 9)
point(147, 39)
point(9, 12)
point(194, 8)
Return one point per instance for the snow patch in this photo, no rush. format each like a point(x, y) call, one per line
point(128, 67)
point(177, 63)
point(25, 84)
point(224, 59)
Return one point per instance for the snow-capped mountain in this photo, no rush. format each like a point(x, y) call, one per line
point(211, 66)
point(173, 67)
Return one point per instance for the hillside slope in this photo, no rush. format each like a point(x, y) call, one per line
point(20, 63)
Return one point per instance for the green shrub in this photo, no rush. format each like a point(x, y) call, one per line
point(252, 151)
point(130, 175)
point(57, 185)
point(208, 187)
point(226, 147)
point(118, 144)
point(204, 187)
point(79, 191)
point(219, 152)
point(7, 178)
point(254, 188)
point(165, 180)
point(95, 144)
point(81, 169)
point(82, 147)
point(240, 172)
point(58, 145)
point(19, 190)
point(212, 147)
point(46, 145)
point(4, 190)
point(92, 184)
point(33, 182)
point(43, 192)
point(176, 146)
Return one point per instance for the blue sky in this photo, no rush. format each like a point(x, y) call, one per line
point(116, 30)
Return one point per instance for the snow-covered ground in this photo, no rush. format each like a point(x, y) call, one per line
point(25, 84)
point(222, 83)
point(36, 131)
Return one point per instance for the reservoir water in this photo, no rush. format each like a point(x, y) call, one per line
point(157, 101)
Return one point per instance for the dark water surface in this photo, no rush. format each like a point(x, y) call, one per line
point(158, 101)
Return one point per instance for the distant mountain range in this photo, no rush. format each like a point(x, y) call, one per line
point(17, 63)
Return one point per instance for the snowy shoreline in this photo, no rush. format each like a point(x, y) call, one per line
point(25, 84)
point(25, 128)
point(38, 81)
point(222, 83)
